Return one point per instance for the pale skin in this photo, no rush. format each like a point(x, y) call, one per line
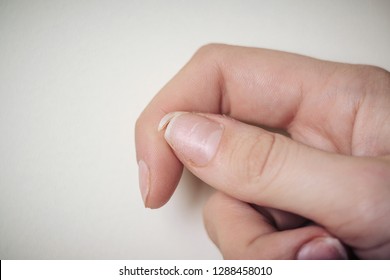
point(330, 166)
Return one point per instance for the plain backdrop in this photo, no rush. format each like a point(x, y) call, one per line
point(74, 76)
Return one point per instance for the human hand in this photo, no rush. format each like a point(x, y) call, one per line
point(333, 171)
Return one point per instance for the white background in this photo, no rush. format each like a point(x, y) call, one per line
point(74, 76)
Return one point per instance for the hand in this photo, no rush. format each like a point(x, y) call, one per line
point(333, 169)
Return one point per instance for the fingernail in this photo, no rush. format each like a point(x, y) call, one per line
point(194, 137)
point(167, 118)
point(323, 248)
point(144, 180)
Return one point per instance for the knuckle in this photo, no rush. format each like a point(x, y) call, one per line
point(234, 251)
point(372, 78)
point(209, 49)
point(260, 158)
point(260, 155)
point(375, 71)
point(208, 53)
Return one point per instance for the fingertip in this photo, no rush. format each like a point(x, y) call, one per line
point(167, 174)
point(159, 179)
point(159, 169)
point(323, 248)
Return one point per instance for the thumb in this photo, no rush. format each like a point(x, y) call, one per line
point(271, 170)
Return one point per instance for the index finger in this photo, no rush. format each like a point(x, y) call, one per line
point(252, 85)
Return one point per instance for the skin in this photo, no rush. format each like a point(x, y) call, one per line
point(332, 168)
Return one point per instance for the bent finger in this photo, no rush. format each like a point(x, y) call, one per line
point(253, 85)
point(240, 232)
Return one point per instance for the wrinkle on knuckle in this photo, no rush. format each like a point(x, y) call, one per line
point(258, 160)
point(261, 158)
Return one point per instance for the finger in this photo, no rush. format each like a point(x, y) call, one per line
point(282, 220)
point(268, 169)
point(253, 85)
point(242, 233)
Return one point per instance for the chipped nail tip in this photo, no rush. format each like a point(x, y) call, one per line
point(168, 118)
